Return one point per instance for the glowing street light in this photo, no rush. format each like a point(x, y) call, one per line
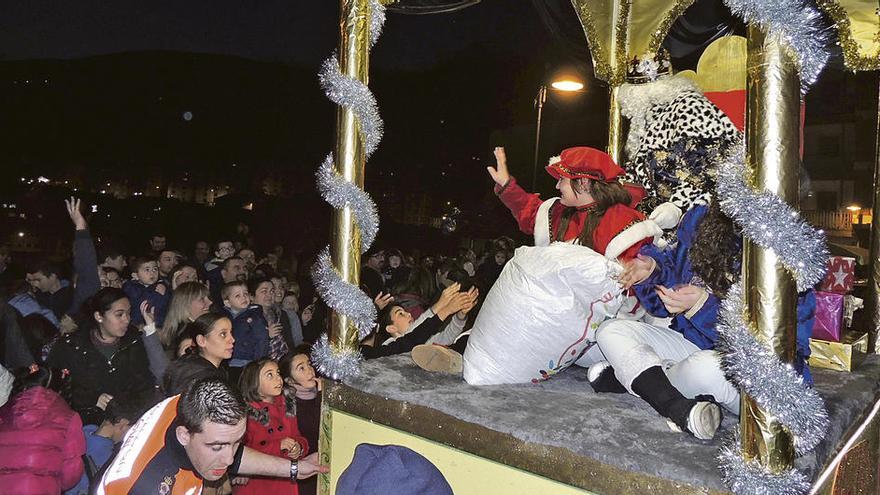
point(565, 84)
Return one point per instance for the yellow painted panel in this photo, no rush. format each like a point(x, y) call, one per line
point(466, 473)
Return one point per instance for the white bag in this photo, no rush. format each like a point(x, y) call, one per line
point(541, 314)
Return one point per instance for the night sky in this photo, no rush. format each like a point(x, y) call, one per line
point(103, 88)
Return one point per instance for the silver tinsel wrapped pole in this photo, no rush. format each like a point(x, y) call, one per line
point(780, 415)
point(355, 221)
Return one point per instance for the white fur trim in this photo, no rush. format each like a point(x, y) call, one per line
point(630, 236)
point(554, 159)
point(667, 215)
point(542, 223)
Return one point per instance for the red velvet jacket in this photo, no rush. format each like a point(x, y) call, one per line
point(524, 207)
point(267, 425)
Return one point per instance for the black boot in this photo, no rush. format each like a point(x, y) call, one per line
point(700, 418)
point(602, 379)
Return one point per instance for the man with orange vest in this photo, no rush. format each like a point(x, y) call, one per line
point(190, 438)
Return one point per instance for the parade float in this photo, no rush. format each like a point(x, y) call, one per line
point(557, 436)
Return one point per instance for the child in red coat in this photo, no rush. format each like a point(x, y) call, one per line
point(270, 429)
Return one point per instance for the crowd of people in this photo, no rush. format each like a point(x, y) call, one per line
point(92, 344)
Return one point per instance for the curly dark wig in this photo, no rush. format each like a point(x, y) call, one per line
point(716, 253)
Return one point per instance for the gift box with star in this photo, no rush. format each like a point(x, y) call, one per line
point(840, 275)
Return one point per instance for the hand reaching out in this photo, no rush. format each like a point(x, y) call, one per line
point(472, 296)
point(149, 313)
point(636, 270)
point(680, 300)
point(382, 300)
point(499, 172)
point(72, 204)
point(309, 466)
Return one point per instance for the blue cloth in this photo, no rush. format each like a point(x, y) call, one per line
point(99, 449)
point(390, 470)
point(251, 334)
point(138, 293)
point(25, 304)
point(674, 268)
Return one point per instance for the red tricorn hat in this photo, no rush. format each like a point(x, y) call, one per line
point(583, 162)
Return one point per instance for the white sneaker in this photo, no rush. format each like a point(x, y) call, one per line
point(596, 369)
point(703, 420)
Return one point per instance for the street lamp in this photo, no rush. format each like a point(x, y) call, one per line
point(567, 85)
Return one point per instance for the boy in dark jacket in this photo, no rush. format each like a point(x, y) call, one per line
point(146, 286)
point(249, 326)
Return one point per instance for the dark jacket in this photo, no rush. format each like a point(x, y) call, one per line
point(91, 374)
point(85, 262)
point(60, 301)
point(417, 336)
point(14, 351)
point(138, 293)
point(674, 268)
point(185, 370)
point(251, 334)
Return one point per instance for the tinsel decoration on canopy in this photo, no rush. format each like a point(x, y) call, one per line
point(798, 23)
point(345, 298)
point(770, 222)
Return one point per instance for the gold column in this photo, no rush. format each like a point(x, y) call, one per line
point(772, 147)
point(345, 242)
point(615, 127)
point(873, 299)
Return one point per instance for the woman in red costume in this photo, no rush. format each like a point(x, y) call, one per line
point(593, 208)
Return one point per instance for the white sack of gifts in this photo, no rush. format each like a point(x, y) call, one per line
point(541, 314)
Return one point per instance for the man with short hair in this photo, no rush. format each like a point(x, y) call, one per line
point(230, 270)
point(111, 257)
point(190, 438)
point(50, 290)
point(167, 260)
point(157, 243)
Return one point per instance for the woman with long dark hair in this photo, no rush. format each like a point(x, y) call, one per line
point(212, 343)
point(104, 357)
point(594, 205)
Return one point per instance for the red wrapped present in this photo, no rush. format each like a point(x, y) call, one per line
point(828, 322)
point(840, 275)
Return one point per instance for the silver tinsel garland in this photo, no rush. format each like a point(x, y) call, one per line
point(339, 362)
point(747, 478)
point(355, 95)
point(342, 296)
point(770, 222)
point(341, 193)
point(335, 362)
point(774, 385)
point(798, 24)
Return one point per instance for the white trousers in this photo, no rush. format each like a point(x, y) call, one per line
point(634, 346)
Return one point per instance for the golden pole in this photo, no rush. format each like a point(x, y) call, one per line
point(873, 299)
point(350, 158)
point(615, 127)
point(345, 242)
point(772, 152)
